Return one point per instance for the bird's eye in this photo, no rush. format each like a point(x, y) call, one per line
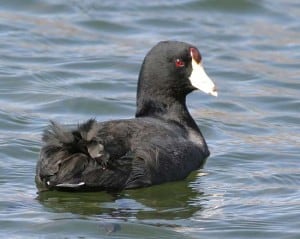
point(179, 63)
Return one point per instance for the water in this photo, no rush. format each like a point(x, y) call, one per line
point(80, 59)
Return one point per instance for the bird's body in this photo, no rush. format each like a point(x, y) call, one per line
point(163, 142)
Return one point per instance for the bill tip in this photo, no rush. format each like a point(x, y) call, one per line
point(214, 91)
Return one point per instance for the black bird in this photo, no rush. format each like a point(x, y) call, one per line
point(162, 143)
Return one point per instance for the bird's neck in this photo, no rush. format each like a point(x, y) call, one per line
point(167, 109)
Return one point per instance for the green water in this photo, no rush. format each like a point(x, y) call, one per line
point(73, 60)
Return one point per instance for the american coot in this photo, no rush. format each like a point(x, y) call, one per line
point(162, 143)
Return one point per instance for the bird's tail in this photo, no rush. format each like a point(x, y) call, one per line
point(68, 153)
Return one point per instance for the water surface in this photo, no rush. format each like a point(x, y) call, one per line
point(80, 59)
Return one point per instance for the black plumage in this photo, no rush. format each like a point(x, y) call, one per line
point(162, 143)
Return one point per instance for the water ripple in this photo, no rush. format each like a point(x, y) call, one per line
point(80, 59)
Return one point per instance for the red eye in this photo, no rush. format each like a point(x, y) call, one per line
point(179, 63)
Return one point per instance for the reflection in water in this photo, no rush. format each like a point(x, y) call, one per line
point(168, 201)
